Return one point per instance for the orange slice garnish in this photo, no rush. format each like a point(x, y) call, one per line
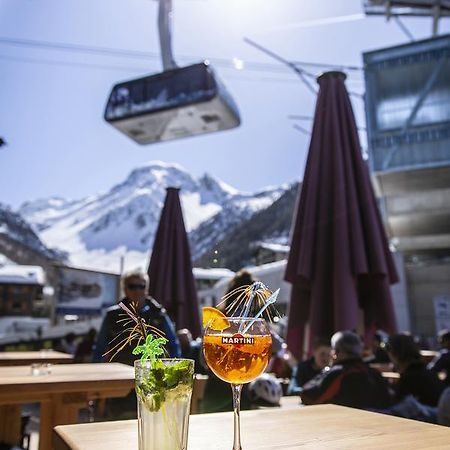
point(214, 319)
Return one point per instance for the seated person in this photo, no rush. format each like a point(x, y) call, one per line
point(415, 379)
point(443, 411)
point(86, 347)
point(282, 360)
point(185, 338)
point(379, 354)
point(349, 381)
point(68, 344)
point(192, 349)
point(441, 363)
point(135, 287)
point(308, 369)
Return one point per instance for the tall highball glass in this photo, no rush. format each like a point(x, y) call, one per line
point(163, 389)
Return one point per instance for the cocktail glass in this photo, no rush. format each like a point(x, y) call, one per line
point(164, 390)
point(237, 350)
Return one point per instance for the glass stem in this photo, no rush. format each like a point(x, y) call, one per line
point(236, 389)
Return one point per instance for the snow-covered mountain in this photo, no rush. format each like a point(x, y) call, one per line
point(14, 228)
point(233, 213)
point(235, 246)
point(99, 230)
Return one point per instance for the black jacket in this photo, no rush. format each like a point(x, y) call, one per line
point(423, 384)
point(304, 372)
point(442, 364)
point(108, 336)
point(349, 383)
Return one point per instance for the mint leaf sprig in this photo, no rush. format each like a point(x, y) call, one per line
point(165, 382)
point(151, 348)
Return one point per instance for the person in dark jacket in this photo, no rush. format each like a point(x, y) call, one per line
point(441, 363)
point(192, 349)
point(135, 287)
point(308, 369)
point(415, 379)
point(85, 347)
point(349, 382)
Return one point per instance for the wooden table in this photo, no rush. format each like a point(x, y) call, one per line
point(311, 427)
point(392, 377)
point(428, 355)
point(61, 394)
point(288, 402)
point(382, 367)
point(43, 356)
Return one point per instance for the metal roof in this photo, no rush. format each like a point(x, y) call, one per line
point(15, 274)
point(407, 7)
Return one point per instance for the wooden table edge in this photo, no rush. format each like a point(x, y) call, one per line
point(63, 441)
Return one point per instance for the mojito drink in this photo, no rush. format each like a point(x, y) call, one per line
point(164, 389)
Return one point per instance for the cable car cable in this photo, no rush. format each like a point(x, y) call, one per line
point(138, 54)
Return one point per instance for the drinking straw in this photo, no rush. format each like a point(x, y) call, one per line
point(272, 299)
point(256, 286)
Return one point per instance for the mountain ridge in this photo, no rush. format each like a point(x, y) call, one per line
point(98, 230)
point(237, 246)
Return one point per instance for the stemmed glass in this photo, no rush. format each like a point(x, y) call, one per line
point(237, 350)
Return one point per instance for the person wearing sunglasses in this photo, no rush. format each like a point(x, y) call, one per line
point(135, 288)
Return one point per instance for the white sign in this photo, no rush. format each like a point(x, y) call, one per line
point(442, 312)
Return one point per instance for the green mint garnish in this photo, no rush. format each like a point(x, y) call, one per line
point(165, 382)
point(151, 348)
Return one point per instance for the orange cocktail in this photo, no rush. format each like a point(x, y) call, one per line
point(237, 350)
point(237, 360)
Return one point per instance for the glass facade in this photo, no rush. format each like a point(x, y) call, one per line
point(408, 105)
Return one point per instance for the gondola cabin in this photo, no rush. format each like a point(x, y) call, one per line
point(177, 103)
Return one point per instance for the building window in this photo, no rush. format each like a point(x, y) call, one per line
point(16, 307)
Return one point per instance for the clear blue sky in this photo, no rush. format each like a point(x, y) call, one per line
point(52, 101)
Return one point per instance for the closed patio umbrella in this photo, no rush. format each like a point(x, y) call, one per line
point(170, 270)
point(339, 262)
